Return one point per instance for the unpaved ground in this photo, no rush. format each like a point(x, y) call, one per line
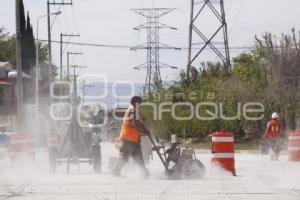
point(258, 178)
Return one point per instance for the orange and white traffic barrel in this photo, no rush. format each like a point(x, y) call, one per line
point(21, 145)
point(53, 140)
point(294, 146)
point(223, 151)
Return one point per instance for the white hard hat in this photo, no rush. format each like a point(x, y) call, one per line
point(275, 115)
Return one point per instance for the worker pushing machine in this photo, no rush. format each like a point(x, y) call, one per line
point(132, 129)
point(272, 136)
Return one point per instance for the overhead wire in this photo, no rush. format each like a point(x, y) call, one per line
point(66, 46)
point(237, 16)
point(230, 5)
point(138, 40)
point(72, 29)
point(58, 10)
point(67, 27)
point(130, 46)
point(78, 38)
point(81, 44)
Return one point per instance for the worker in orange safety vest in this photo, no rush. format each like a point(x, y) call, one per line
point(132, 129)
point(272, 136)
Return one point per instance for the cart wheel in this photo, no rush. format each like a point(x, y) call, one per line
point(96, 154)
point(175, 172)
point(52, 159)
point(193, 169)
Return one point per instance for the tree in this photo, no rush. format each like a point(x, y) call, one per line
point(8, 48)
point(29, 46)
point(268, 74)
point(283, 60)
point(27, 41)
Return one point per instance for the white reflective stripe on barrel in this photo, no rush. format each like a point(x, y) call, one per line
point(53, 141)
point(53, 145)
point(222, 139)
point(21, 141)
point(294, 137)
point(294, 148)
point(223, 155)
point(23, 152)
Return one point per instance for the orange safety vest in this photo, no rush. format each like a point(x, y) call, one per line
point(273, 128)
point(128, 132)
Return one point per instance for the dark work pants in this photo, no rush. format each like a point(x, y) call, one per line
point(275, 145)
point(133, 150)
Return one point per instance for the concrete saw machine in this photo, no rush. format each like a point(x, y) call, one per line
point(179, 163)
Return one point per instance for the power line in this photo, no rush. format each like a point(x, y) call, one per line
point(92, 44)
point(62, 50)
point(130, 46)
point(76, 30)
point(58, 10)
point(237, 15)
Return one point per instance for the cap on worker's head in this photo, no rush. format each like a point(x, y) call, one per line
point(136, 100)
point(275, 115)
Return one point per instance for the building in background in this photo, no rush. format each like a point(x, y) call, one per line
point(7, 91)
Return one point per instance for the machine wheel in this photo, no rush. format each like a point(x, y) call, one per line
point(175, 172)
point(96, 155)
point(193, 169)
point(52, 159)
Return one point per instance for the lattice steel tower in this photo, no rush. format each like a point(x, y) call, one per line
point(153, 46)
point(207, 40)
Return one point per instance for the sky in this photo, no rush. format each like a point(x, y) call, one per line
point(112, 22)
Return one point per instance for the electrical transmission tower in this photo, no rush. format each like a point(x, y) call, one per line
point(216, 8)
point(153, 46)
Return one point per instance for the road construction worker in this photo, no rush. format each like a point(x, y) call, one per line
point(272, 135)
point(130, 136)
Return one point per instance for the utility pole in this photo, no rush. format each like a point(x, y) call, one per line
point(61, 50)
point(85, 88)
point(153, 46)
point(49, 33)
point(208, 40)
point(68, 60)
point(75, 81)
point(19, 68)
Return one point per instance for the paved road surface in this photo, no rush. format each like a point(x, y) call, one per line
point(258, 178)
